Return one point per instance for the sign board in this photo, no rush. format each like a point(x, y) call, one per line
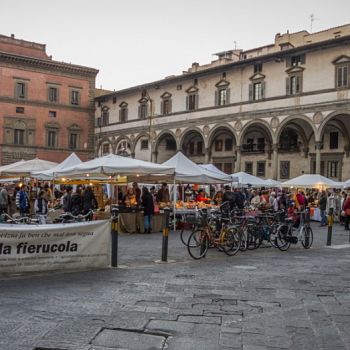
point(25, 248)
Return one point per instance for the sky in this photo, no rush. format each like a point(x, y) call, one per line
point(133, 42)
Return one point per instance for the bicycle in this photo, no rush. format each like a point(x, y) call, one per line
point(285, 233)
point(70, 218)
point(20, 220)
point(228, 239)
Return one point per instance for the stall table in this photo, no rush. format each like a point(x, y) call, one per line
point(133, 222)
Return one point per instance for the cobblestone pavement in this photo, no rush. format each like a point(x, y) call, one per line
point(265, 299)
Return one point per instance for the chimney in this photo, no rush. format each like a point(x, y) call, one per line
point(12, 36)
point(195, 66)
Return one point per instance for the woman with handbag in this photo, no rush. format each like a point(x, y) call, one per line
point(346, 209)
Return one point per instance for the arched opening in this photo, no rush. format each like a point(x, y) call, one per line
point(334, 148)
point(296, 149)
point(123, 148)
point(222, 145)
point(256, 150)
point(193, 146)
point(165, 148)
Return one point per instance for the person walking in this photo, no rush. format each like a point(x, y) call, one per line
point(323, 207)
point(4, 200)
point(89, 202)
point(22, 201)
point(41, 207)
point(148, 209)
point(77, 202)
point(67, 199)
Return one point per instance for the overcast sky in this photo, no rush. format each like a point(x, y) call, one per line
point(133, 42)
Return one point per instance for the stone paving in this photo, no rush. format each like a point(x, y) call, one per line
point(265, 299)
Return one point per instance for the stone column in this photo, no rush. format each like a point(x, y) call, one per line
point(207, 156)
point(238, 159)
point(318, 145)
point(154, 156)
point(275, 161)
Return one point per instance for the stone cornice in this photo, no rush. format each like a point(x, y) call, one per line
point(48, 64)
point(242, 63)
point(49, 105)
point(344, 104)
point(35, 147)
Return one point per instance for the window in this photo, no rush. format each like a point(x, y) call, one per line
point(74, 97)
point(261, 144)
point(257, 91)
point(20, 110)
point(18, 137)
point(228, 168)
point(166, 106)
point(296, 60)
point(228, 144)
point(20, 90)
point(260, 169)
point(170, 145)
point(192, 102)
point(105, 148)
point(333, 140)
point(284, 169)
point(144, 144)
point(52, 114)
point(222, 97)
point(191, 148)
point(98, 122)
point(179, 87)
point(73, 141)
point(105, 116)
point(218, 145)
point(342, 76)
point(294, 84)
point(143, 111)
point(199, 147)
point(257, 67)
point(51, 138)
point(249, 168)
point(332, 169)
point(53, 94)
point(114, 99)
point(123, 115)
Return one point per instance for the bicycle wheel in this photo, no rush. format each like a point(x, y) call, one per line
point(185, 234)
point(273, 237)
point(307, 238)
point(232, 241)
point(254, 238)
point(198, 244)
point(281, 239)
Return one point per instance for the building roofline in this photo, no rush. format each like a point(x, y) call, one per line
point(48, 62)
point(279, 54)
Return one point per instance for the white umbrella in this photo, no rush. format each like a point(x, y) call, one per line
point(311, 181)
point(8, 166)
point(189, 172)
point(242, 179)
point(50, 174)
point(115, 165)
point(26, 167)
point(212, 168)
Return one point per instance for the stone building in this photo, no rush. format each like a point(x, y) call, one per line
point(46, 107)
point(275, 111)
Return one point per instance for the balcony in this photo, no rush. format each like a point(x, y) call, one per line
point(288, 148)
point(253, 148)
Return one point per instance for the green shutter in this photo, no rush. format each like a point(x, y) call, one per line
point(250, 92)
point(288, 86)
point(263, 85)
point(228, 91)
point(216, 98)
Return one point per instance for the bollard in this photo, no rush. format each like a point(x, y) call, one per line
point(330, 227)
point(114, 233)
point(165, 236)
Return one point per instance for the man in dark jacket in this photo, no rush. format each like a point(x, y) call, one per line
point(77, 202)
point(89, 202)
point(323, 206)
point(148, 209)
point(229, 196)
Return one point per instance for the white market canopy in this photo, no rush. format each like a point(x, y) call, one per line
point(272, 183)
point(311, 181)
point(213, 169)
point(50, 174)
point(243, 179)
point(26, 167)
point(189, 172)
point(114, 165)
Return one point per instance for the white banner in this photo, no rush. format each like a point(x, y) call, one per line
point(25, 248)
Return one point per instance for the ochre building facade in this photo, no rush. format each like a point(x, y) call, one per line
point(276, 111)
point(46, 107)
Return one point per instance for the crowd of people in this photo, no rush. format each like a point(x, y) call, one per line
point(37, 200)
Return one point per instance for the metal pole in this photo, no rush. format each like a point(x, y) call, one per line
point(114, 249)
point(330, 226)
point(174, 205)
point(165, 236)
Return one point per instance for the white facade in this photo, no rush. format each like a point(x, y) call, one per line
point(277, 111)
